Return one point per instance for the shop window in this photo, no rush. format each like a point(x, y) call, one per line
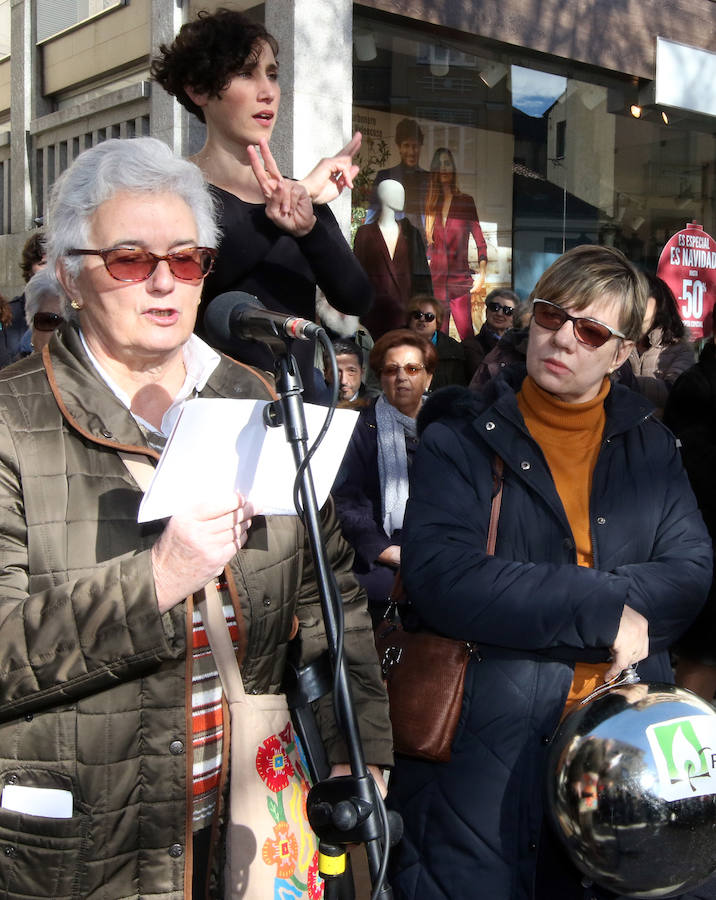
point(548, 153)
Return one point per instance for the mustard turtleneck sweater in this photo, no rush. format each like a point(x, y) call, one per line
point(570, 435)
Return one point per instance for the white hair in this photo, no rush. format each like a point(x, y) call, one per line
point(138, 165)
point(39, 286)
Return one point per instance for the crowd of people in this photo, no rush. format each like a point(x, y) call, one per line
point(571, 398)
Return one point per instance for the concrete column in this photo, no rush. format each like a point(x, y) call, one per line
point(168, 120)
point(22, 81)
point(315, 57)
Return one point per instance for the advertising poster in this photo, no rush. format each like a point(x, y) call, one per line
point(688, 265)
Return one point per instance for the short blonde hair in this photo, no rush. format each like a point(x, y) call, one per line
point(589, 273)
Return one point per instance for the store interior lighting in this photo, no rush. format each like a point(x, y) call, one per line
point(636, 110)
point(365, 46)
point(493, 73)
point(439, 61)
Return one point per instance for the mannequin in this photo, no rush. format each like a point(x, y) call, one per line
point(392, 252)
point(450, 219)
point(391, 198)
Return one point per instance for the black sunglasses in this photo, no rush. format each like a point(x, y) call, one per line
point(46, 321)
point(589, 332)
point(132, 265)
point(496, 307)
point(422, 316)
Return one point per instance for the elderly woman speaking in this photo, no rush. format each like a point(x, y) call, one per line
point(107, 693)
point(601, 561)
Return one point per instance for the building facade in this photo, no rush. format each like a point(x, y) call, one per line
point(566, 123)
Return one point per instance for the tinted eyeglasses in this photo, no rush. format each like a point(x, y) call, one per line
point(422, 316)
point(498, 307)
point(410, 369)
point(46, 321)
point(124, 264)
point(587, 331)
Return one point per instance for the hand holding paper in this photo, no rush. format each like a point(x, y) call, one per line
point(196, 545)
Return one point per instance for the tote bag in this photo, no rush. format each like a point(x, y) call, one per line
point(271, 852)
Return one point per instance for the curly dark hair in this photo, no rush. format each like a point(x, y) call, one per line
point(207, 53)
point(667, 315)
point(33, 252)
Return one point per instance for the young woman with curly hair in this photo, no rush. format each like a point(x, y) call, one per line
point(280, 239)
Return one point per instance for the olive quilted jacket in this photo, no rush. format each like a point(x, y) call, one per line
point(93, 680)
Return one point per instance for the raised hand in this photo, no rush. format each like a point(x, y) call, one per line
point(288, 204)
point(328, 178)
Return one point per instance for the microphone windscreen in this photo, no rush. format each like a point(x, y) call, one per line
point(221, 310)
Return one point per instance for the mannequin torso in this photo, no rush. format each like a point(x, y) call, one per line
point(391, 195)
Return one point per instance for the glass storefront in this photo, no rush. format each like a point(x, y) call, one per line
point(552, 154)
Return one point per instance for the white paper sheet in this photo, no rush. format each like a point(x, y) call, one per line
point(49, 802)
point(220, 445)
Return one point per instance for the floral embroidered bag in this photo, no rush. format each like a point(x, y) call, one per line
point(271, 852)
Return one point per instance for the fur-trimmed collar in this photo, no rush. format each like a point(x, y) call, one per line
point(625, 407)
point(464, 403)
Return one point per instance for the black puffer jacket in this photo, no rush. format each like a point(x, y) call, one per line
point(474, 824)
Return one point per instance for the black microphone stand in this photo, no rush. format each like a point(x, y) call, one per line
point(348, 809)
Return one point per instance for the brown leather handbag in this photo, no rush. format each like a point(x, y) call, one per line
point(425, 672)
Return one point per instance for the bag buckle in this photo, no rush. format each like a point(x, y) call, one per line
point(391, 657)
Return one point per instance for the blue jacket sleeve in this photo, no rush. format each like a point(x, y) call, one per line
point(671, 587)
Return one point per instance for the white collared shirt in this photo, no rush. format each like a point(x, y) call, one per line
point(199, 361)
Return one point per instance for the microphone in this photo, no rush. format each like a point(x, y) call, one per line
point(237, 314)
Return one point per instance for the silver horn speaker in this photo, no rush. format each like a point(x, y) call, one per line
point(631, 789)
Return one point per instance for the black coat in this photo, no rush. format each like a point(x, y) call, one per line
point(359, 507)
point(357, 494)
point(690, 412)
point(451, 367)
point(477, 347)
point(472, 826)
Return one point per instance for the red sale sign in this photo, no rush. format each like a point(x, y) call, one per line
point(688, 265)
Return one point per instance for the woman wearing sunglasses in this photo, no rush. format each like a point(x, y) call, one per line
point(425, 315)
point(109, 695)
point(500, 307)
point(372, 484)
point(279, 238)
point(601, 561)
point(44, 306)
